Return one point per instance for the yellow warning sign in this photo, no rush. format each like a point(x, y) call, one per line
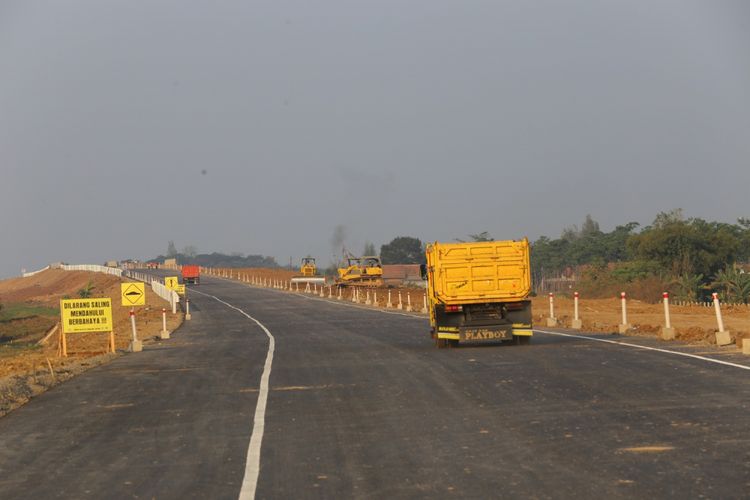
point(86, 315)
point(180, 289)
point(171, 282)
point(133, 294)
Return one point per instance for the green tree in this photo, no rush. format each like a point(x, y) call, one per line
point(483, 236)
point(403, 250)
point(689, 286)
point(85, 292)
point(190, 251)
point(733, 285)
point(369, 249)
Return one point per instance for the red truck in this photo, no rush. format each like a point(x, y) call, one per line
point(191, 275)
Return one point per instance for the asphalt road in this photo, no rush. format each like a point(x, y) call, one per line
point(361, 405)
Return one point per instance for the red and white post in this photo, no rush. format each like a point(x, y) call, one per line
point(135, 344)
point(624, 326)
point(577, 324)
point(722, 336)
point(667, 332)
point(551, 320)
point(164, 334)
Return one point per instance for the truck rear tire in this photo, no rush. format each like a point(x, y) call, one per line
point(522, 340)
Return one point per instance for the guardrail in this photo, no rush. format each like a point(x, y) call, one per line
point(32, 273)
point(114, 271)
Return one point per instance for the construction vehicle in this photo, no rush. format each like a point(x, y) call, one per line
point(308, 272)
point(308, 267)
point(364, 271)
point(191, 274)
point(478, 292)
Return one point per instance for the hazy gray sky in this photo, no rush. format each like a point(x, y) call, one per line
point(426, 118)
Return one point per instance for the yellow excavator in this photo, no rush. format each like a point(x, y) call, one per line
point(364, 271)
point(308, 272)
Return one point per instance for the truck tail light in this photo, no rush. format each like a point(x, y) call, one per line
point(454, 309)
point(514, 306)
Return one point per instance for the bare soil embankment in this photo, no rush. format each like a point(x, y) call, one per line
point(28, 367)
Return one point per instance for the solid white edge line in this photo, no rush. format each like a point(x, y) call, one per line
point(252, 463)
point(646, 348)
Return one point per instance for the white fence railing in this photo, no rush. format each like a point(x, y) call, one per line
point(32, 273)
point(114, 271)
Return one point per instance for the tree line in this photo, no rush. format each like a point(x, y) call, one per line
point(690, 257)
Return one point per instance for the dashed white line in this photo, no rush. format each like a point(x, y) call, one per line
point(252, 463)
point(646, 348)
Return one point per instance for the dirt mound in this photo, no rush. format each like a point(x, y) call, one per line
point(27, 368)
point(49, 286)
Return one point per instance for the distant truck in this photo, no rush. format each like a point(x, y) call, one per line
point(191, 275)
point(478, 292)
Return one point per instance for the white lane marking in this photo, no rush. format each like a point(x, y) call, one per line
point(252, 464)
point(646, 348)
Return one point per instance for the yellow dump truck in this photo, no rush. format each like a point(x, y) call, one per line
point(478, 292)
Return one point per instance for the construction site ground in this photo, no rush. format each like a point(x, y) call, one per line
point(30, 360)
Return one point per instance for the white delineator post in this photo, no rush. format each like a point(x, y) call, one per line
point(187, 310)
point(339, 294)
point(408, 302)
point(388, 304)
point(164, 334)
point(400, 304)
point(624, 326)
point(424, 303)
point(722, 336)
point(667, 332)
point(135, 344)
point(551, 320)
point(577, 323)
